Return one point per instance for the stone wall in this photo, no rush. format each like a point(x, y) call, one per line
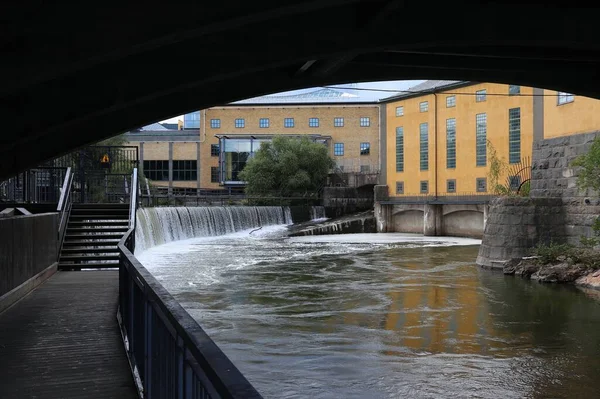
point(339, 201)
point(515, 225)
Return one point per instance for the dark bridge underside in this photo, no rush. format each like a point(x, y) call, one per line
point(77, 73)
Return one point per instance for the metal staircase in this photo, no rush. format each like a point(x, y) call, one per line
point(92, 234)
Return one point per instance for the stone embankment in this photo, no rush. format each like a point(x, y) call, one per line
point(561, 272)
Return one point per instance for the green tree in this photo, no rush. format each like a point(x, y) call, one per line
point(287, 166)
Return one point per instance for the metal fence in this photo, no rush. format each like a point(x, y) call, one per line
point(450, 198)
point(39, 185)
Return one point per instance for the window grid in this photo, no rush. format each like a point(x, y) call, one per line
point(365, 121)
point(214, 174)
point(424, 146)
point(156, 170)
point(214, 150)
point(514, 90)
point(451, 143)
point(185, 170)
point(263, 123)
point(400, 149)
point(481, 184)
point(424, 106)
point(215, 123)
point(338, 122)
point(365, 148)
point(450, 101)
point(481, 95)
point(240, 123)
point(565, 98)
point(514, 135)
point(399, 187)
point(338, 149)
point(481, 139)
point(424, 186)
point(288, 122)
point(313, 122)
point(400, 111)
point(451, 185)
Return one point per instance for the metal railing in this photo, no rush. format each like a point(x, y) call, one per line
point(64, 206)
point(448, 198)
point(170, 354)
point(40, 185)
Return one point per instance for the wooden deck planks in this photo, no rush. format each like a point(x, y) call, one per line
point(63, 341)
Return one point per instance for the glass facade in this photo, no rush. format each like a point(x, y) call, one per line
point(481, 139)
point(451, 143)
point(424, 146)
point(400, 149)
point(514, 135)
point(156, 170)
point(185, 170)
point(191, 120)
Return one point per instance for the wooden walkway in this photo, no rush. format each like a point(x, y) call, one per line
point(63, 341)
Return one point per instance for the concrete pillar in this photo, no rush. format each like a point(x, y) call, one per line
point(383, 212)
point(199, 170)
point(486, 210)
point(432, 220)
point(170, 192)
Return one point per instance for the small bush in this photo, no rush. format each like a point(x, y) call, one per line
point(549, 253)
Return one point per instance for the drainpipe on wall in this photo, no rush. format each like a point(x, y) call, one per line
point(435, 146)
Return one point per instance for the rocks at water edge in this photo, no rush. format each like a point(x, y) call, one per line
point(562, 272)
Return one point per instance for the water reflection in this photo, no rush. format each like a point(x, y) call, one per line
point(337, 319)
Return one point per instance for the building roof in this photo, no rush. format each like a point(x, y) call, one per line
point(152, 127)
point(163, 135)
point(170, 126)
point(427, 87)
point(325, 95)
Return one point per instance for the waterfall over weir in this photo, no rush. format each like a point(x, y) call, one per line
point(156, 226)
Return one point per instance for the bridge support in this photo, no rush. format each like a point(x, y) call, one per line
point(383, 212)
point(432, 220)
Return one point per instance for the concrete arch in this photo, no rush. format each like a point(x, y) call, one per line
point(463, 223)
point(451, 208)
point(408, 221)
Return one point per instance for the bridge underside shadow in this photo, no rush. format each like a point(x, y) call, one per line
point(63, 341)
point(77, 75)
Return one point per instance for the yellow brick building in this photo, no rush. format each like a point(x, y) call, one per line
point(436, 139)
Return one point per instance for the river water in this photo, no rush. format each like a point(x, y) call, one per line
point(381, 316)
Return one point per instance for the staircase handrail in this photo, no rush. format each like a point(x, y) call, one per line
point(64, 205)
point(133, 199)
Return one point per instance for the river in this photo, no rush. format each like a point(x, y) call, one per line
point(381, 316)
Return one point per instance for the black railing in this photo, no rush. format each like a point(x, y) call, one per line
point(40, 185)
point(170, 354)
point(449, 198)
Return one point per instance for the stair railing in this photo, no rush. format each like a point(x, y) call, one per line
point(133, 202)
point(64, 206)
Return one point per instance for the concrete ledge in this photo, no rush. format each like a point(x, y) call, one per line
point(12, 296)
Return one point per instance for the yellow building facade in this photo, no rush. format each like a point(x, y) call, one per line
point(439, 142)
point(350, 131)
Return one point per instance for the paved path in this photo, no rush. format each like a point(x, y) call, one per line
point(63, 341)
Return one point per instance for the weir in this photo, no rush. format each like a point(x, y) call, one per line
point(156, 226)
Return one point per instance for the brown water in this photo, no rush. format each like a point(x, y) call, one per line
point(338, 319)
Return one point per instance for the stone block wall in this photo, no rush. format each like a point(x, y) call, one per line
point(339, 201)
point(515, 225)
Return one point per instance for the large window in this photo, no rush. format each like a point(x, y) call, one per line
point(424, 106)
point(481, 95)
point(424, 145)
point(514, 90)
point(240, 123)
point(338, 149)
point(214, 174)
point(564, 98)
point(451, 143)
point(185, 170)
point(365, 148)
point(400, 111)
point(156, 170)
point(399, 187)
point(263, 122)
point(514, 135)
point(450, 101)
point(313, 122)
point(481, 140)
point(215, 123)
point(288, 122)
point(365, 121)
point(338, 122)
point(214, 150)
point(236, 154)
point(191, 120)
point(400, 149)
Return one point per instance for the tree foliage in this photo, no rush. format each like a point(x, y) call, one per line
point(589, 174)
point(287, 166)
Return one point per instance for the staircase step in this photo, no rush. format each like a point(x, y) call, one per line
point(90, 211)
point(70, 266)
point(84, 250)
point(93, 236)
point(95, 243)
point(123, 222)
point(104, 206)
point(98, 217)
point(72, 230)
point(90, 258)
